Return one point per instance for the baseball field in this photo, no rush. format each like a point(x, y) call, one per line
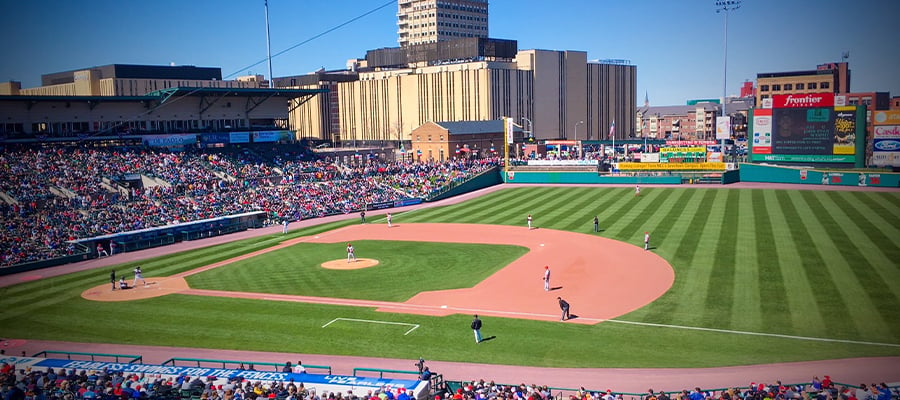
point(756, 276)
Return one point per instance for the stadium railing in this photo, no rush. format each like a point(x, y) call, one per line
point(129, 358)
point(200, 362)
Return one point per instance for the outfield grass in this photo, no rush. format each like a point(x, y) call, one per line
point(802, 263)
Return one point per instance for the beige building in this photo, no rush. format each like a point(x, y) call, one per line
point(826, 78)
point(133, 80)
point(430, 21)
point(552, 94)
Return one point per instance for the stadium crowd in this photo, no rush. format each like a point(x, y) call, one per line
point(51, 196)
point(72, 384)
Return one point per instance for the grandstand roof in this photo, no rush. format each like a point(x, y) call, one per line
point(163, 95)
point(245, 92)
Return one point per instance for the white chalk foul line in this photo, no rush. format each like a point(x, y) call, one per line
point(694, 328)
point(414, 326)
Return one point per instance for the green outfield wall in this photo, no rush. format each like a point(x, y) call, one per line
point(777, 174)
point(584, 177)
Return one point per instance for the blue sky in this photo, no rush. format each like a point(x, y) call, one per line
point(677, 45)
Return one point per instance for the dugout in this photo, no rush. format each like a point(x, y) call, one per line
point(164, 235)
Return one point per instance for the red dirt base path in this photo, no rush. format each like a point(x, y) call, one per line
point(579, 265)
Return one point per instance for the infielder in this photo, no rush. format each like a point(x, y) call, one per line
point(546, 278)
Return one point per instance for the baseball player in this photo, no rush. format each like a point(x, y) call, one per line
point(637, 190)
point(529, 221)
point(546, 278)
point(389, 218)
point(350, 255)
point(646, 240)
point(138, 276)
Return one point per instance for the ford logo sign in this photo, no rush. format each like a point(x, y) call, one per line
point(888, 145)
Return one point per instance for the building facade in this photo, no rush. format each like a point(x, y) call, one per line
point(826, 78)
point(439, 141)
point(552, 94)
point(430, 21)
point(132, 80)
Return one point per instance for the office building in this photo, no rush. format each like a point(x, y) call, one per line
point(826, 78)
point(431, 21)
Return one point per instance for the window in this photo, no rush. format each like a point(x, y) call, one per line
point(812, 85)
point(799, 86)
point(763, 88)
point(776, 88)
point(765, 96)
point(824, 85)
point(788, 86)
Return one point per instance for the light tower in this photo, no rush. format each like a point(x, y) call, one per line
point(725, 6)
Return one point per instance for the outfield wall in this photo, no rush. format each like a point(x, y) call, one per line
point(795, 175)
point(585, 177)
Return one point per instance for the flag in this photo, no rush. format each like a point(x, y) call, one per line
point(612, 129)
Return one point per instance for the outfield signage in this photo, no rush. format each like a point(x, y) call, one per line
point(695, 166)
point(762, 131)
point(805, 158)
point(886, 132)
point(649, 157)
point(808, 100)
point(215, 373)
point(690, 143)
point(886, 117)
point(562, 163)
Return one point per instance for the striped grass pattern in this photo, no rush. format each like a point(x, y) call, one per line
point(761, 276)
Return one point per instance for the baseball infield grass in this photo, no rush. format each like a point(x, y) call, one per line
point(765, 272)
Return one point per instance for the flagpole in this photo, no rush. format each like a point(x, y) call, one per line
point(612, 132)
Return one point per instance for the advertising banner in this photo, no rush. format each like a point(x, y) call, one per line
point(809, 100)
point(177, 140)
point(886, 131)
point(562, 163)
point(239, 137)
point(649, 157)
point(508, 129)
point(323, 382)
point(816, 158)
point(699, 166)
point(762, 131)
point(890, 145)
point(844, 130)
point(209, 138)
point(723, 127)
point(266, 136)
point(884, 158)
point(886, 117)
point(676, 143)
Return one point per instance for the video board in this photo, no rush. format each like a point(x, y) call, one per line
point(808, 129)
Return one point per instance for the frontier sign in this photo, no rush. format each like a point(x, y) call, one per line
point(808, 100)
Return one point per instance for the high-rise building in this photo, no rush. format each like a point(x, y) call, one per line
point(430, 21)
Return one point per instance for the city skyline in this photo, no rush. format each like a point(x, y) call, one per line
point(676, 46)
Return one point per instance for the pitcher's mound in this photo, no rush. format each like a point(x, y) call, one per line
point(155, 287)
point(343, 264)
